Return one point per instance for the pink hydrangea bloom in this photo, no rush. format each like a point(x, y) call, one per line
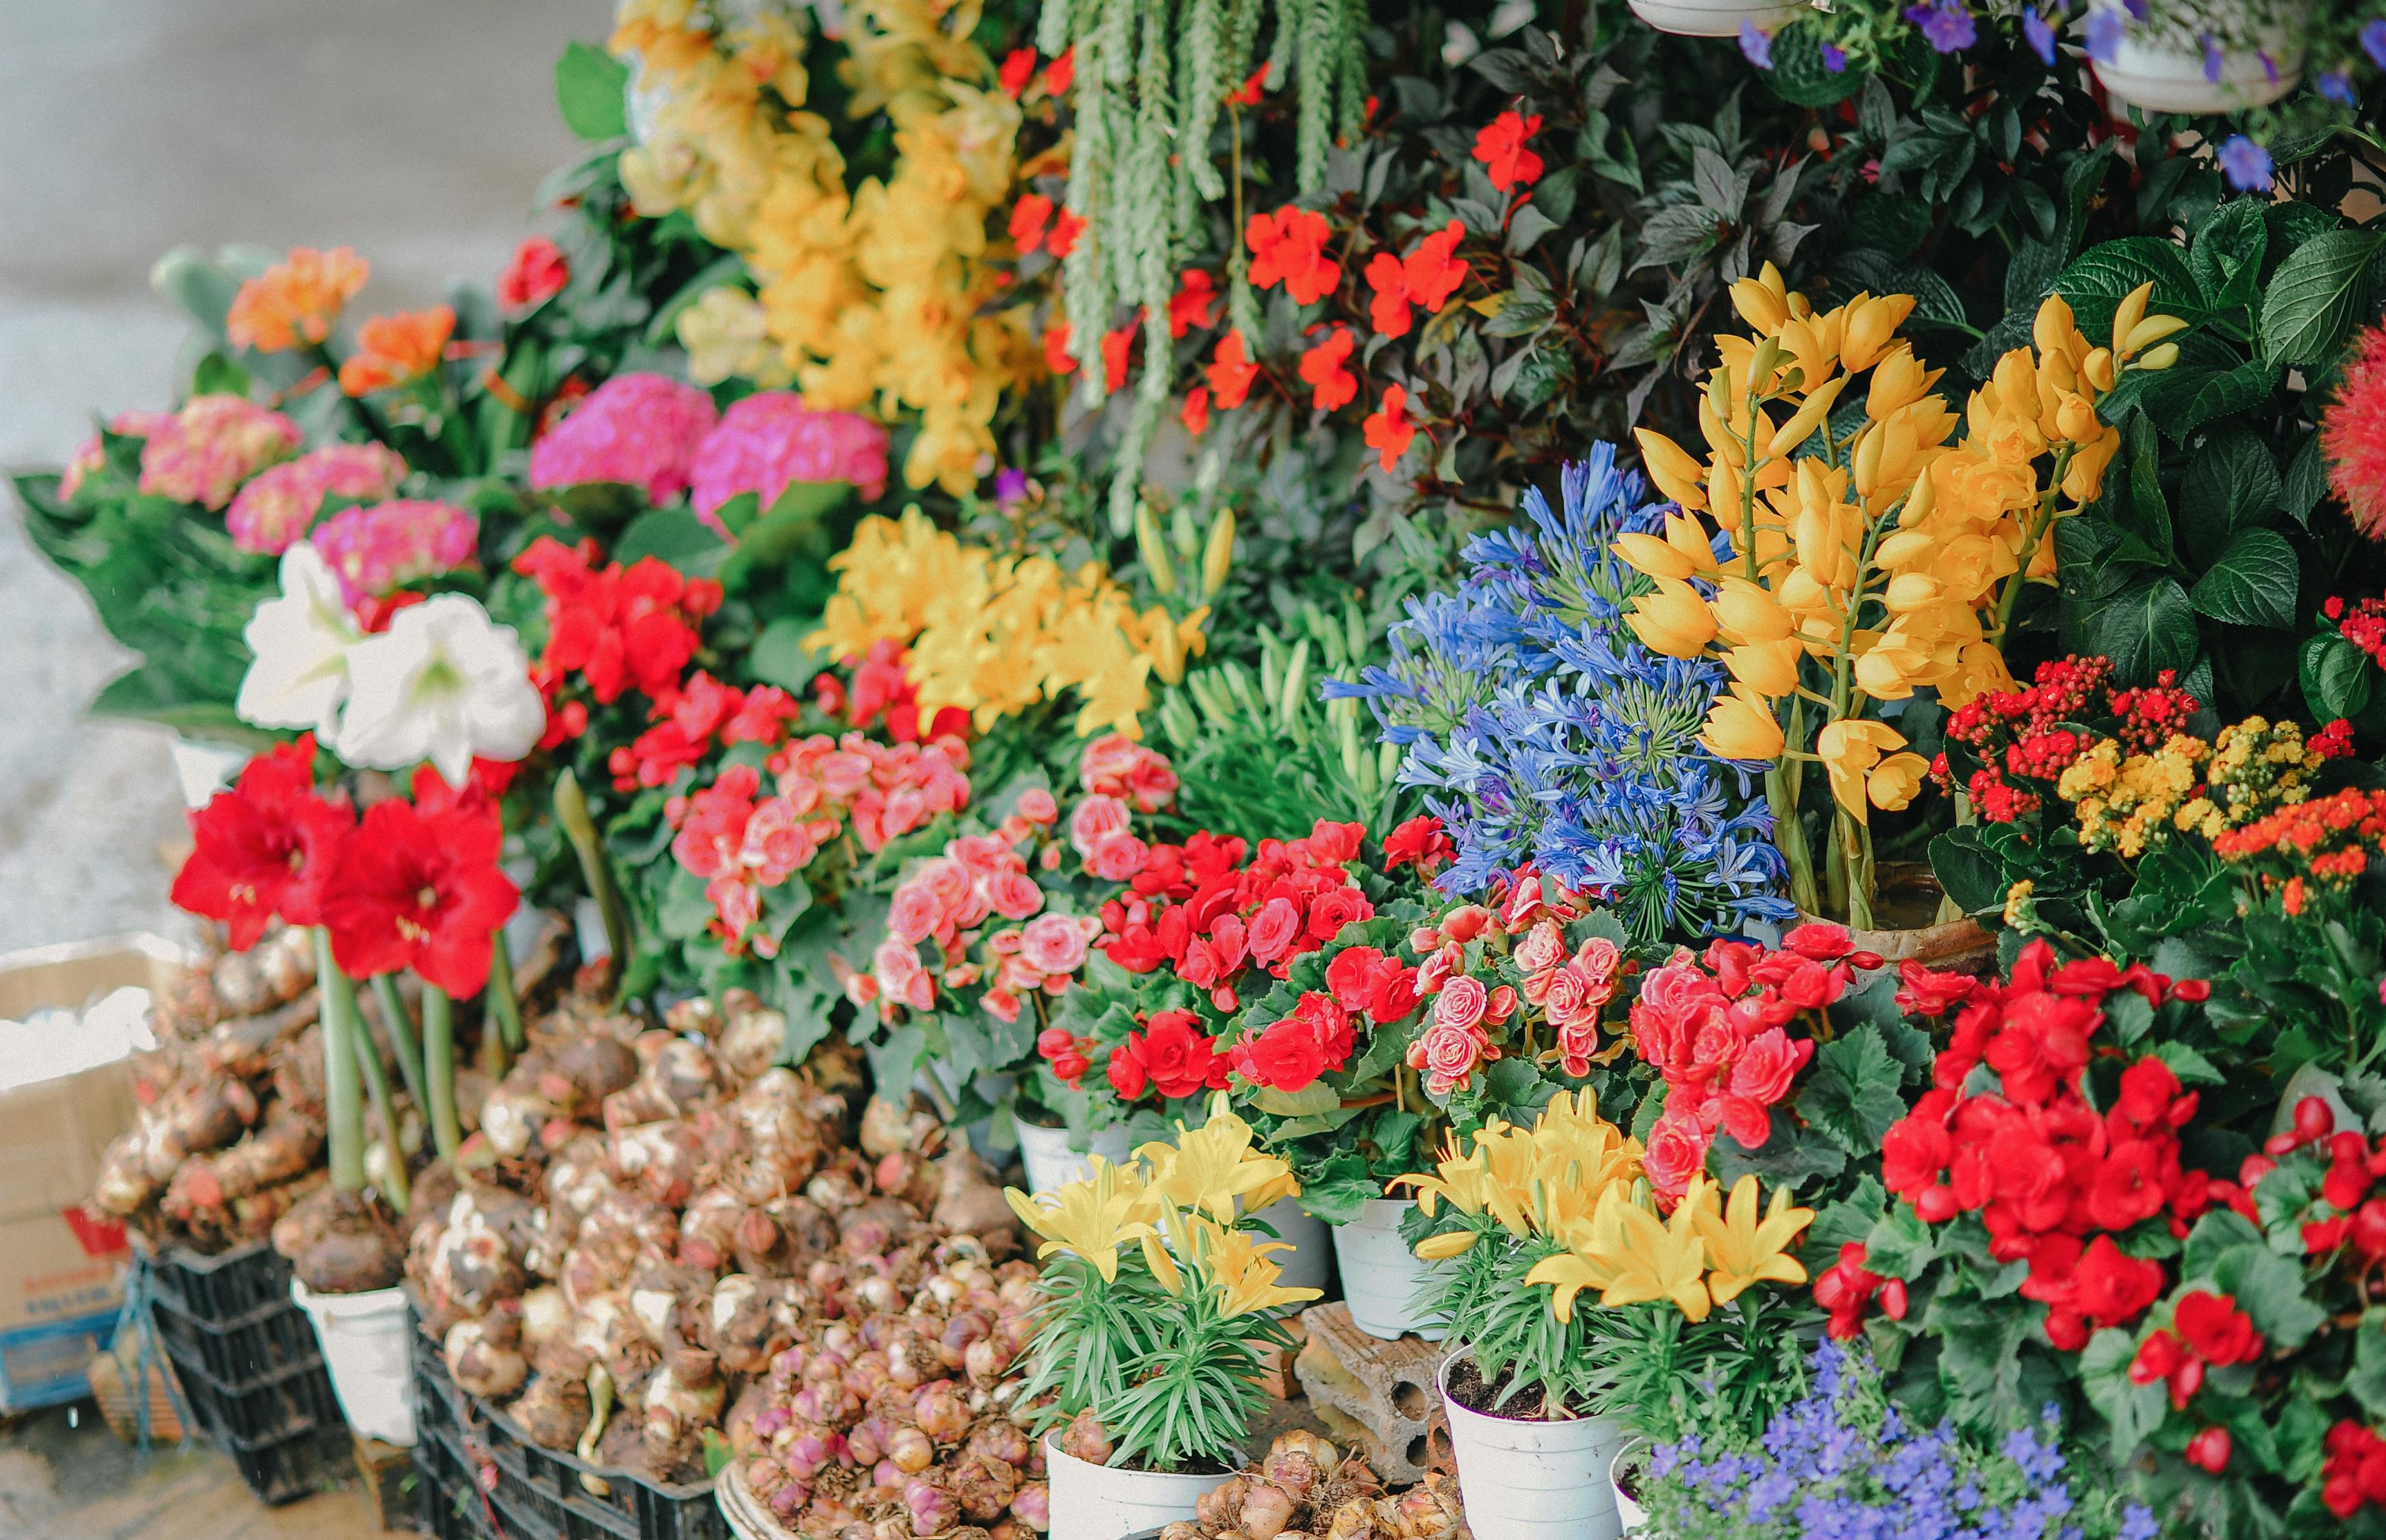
point(91, 454)
point(772, 438)
point(204, 452)
point(373, 548)
point(642, 429)
point(274, 510)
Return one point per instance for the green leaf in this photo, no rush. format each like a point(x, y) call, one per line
point(1900, 1245)
point(1789, 1156)
point(2336, 676)
point(2103, 275)
point(2190, 1067)
point(1852, 1094)
point(2306, 481)
point(2367, 1384)
point(216, 374)
point(1316, 1098)
point(1798, 75)
point(2143, 629)
point(781, 533)
point(2230, 483)
point(2315, 297)
point(2182, 399)
point(2131, 1411)
point(592, 87)
point(2269, 1288)
point(781, 658)
point(2227, 256)
point(675, 536)
point(1969, 871)
point(2253, 581)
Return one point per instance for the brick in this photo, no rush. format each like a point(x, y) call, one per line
point(1377, 1396)
point(390, 1480)
point(1275, 1363)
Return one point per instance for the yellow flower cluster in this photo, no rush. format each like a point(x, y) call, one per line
point(994, 634)
point(877, 295)
point(2130, 803)
point(1182, 1206)
point(1888, 555)
point(1575, 1178)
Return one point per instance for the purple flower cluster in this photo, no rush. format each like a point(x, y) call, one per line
point(1841, 1463)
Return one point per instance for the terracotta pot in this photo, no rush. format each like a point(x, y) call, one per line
point(1907, 888)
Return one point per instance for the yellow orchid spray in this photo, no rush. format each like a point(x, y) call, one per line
point(1870, 556)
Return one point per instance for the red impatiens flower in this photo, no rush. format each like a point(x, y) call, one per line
point(1197, 411)
point(1067, 225)
point(1248, 94)
point(1061, 74)
point(1057, 357)
point(1323, 367)
point(422, 892)
point(262, 846)
point(1231, 372)
point(1388, 430)
point(1433, 271)
point(1018, 68)
point(536, 273)
point(1499, 145)
point(1117, 347)
point(1029, 217)
point(1289, 248)
point(1388, 311)
point(1196, 297)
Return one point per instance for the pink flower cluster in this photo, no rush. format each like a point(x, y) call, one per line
point(771, 440)
point(640, 429)
point(1717, 1029)
point(373, 548)
point(1463, 1009)
point(1570, 991)
point(276, 507)
point(742, 842)
point(1116, 766)
point(202, 453)
point(91, 454)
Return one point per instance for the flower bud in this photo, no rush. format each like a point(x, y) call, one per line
point(1218, 554)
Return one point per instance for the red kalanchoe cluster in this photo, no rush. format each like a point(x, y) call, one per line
point(1201, 911)
point(2150, 714)
point(2326, 843)
point(2353, 435)
point(1716, 1028)
point(262, 847)
point(2364, 625)
point(2019, 736)
point(881, 697)
point(691, 719)
point(1170, 1057)
point(2053, 1180)
point(419, 887)
point(1290, 1055)
point(618, 627)
point(2207, 1331)
point(2353, 1473)
point(1846, 1289)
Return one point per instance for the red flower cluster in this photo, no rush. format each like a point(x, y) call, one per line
point(1420, 843)
point(1231, 373)
point(2364, 625)
point(1199, 909)
point(2020, 734)
point(1499, 145)
point(2353, 1469)
point(2329, 840)
point(2150, 715)
point(1170, 1057)
point(2207, 1331)
point(1290, 1054)
point(617, 626)
point(1196, 297)
point(2052, 1179)
point(1427, 277)
point(1388, 430)
point(1321, 369)
point(1846, 1288)
point(2346, 1213)
point(1717, 1030)
point(1289, 248)
point(262, 848)
point(419, 887)
point(690, 719)
point(538, 272)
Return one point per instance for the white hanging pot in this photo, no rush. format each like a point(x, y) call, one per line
point(1628, 1511)
point(1381, 1275)
point(1050, 1160)
point(2167, 74)
point(1714, 18)
point(1529, 1480)
point(364, 1346)
point(1105, 1502)
point(1309, 1263)
point(203, 769)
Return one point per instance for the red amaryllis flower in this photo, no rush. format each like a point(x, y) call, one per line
point(422, 892)
point(2353, 436)
point(261, 847)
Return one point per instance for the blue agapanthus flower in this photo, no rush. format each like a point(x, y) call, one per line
point(1544, 733)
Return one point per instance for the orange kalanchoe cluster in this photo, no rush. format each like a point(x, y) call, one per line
point(396, 349)
point(296, 302)
point(2326, 843)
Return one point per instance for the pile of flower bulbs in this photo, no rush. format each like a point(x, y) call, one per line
point(651, 1220)
point(1303, 1491)
point(229, 1131)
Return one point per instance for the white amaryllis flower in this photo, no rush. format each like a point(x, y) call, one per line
point(444, 683)
point(301, 641)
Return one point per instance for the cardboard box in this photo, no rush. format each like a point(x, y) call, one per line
point(61, 1286)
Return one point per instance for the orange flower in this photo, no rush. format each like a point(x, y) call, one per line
point(1388, 311)
point(1028, 217)
point(1248, 94)
point(1115, 345)
point(1289, 248)
point(1061, 74)
point(1067, 225)
point(1196, 297)
point(1501, 148)
point(1321, 367)
point(1388, 430)
point(1432, 272)
point(295, 301)
point(395, 348)
point(1057, 357)
point(1018, 68)
point(1197, 411)
point(1231, 372)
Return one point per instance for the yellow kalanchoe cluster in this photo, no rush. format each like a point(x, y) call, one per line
point(1183, 1207)
point(1868, 564)
point(1575, 1178)
point(872, 296)
point(2129, 802)
point(994, 634)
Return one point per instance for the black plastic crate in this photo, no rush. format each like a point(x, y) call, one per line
point(535, 1493)
point(220, 1288)
point(245, 1349)
point(272, 1408)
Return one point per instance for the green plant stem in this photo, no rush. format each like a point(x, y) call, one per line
point(2041, 517)
point(394, 1188)
point(439, 1068)
point(400, 1023)
point(500, 1001)
point(571, 812)
point(343, 1101)
point(1789, 835)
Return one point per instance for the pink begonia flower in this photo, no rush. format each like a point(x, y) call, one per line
point(274, 509)
point(642, 429)
point(91, 454)
point(374, 549)
point(771, 440)
point(202, 453)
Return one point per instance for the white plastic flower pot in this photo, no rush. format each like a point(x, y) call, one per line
point(1105, 1502)
point(1051, 1162)
point(1309, 1263)
point(991, 1087)
point(1531, 1480)
point(2162, 75)
point(1381, 1275)
point(365, 1343)
point(1714, 18)
point(1630, 1514)
point(203, 769)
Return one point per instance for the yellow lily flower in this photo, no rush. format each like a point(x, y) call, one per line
point(1247, 1275)
point(1744, 1251)
point(1209, 1168)
point(1089, 1219)
point(1638, 1257)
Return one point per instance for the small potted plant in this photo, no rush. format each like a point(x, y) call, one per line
point(2223, 58)
point(1160, 1298)
point(1544, 1392)
point(1716, 17)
